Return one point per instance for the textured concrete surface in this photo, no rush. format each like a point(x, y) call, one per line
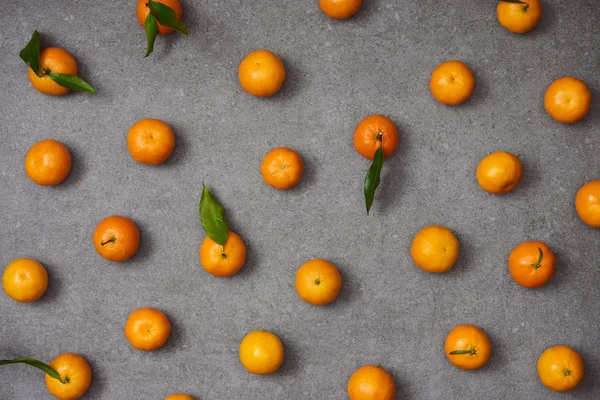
point(389, 311)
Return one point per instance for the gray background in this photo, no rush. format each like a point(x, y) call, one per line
point(389, 311)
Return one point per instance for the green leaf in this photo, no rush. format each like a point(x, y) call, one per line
point(166, 16)
point(31, 53)
point(372, 179)
point(211, 215)
point(471, 352)
point(72, 82)
point(151, 32)
point(34, 363)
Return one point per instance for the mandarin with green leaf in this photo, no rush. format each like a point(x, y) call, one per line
point(468, 347)
point(142, 10)
point(531, 264)
point(116, 238)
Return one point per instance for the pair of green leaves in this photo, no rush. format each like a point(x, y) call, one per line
point(372, 179)
point(31, 55)
point(213, 220)
point(34, 363)
point(164, 15)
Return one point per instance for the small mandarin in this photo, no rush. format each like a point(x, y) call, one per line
point(318, 282)
point(282, 168)
point(371, 382)
point(261, 352)
point(48, 162)
point(499, 172)
point(587, 203)
point(25, 280)
point(468, 347)
point(116, 238)
point(225, 260)
point(340, 9)
point(531, 264)
point(75, 374)
point(179, 396)
point(150, 141)
point(142, 12)
point(519, 17)
point(53, 60)
point(560, 368)
point(452, 83)
point(373, 132)
point(568, 100)
point(261, 73)
point(147, 329)
point(435, 249)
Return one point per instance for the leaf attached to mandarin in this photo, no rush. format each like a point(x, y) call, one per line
point(166, 16)
point(34, 363)
point(213, 220)
point(72, 82)
point(31, 53)
point(372, 179)
point(151, 32)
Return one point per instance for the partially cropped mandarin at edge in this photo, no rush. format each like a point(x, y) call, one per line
point(452, 83)
point(587, 203)
point(179, 396)
point(261, 73)
point(76, 374)
point(340, 9)
point(261, 352)
point(499, 173)
point(147, 329)
point(318, 282)
point(142, 12)
point(568, 100)
point(48, 162)
point(116, 238)
point(150, 141)
point(282, 168)
point(56, 60)
point(531, 264)
point(373, 132)
point(223, 260)
point(518, 17)
point(560, 368)
point(468, 347)
point(25, 280)
point(435, 249)
point(371, 382)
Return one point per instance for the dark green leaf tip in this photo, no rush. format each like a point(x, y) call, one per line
point(151, 32)
point(34, 363)
point(372, 179)
point(31, 53)
point(72, 82)
point(212, 218)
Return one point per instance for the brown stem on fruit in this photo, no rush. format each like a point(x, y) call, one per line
point(111, 240)
point(539, 263)
point(318, 282)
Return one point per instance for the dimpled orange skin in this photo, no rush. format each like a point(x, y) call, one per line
point(150, 141)
point(74, 368)
point(370, 382)
point(48, 162)
point(261, 73)
point(57, 60)
point(116, 238)
point(225, 260)
point(318, 282)
point(435, 249)
point(147, 329)
point(587, 203)
point(368, 133)
point(499, 172)
point(472, 338)
point(142, 12)
point(568, 100)
point(179, 396)
point(261, 352)
point(523, 264)
point(519, 18)
point(452, 83)
point(560, 368)
point(282, 168)
point(25, 280)
point(340, 9)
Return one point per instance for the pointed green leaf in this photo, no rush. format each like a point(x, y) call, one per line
point(166, 16)
point(372, 179)
point(34, 363)
point(211, 215)
point(151, 32)
point(72, 82)
point(31, 53)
